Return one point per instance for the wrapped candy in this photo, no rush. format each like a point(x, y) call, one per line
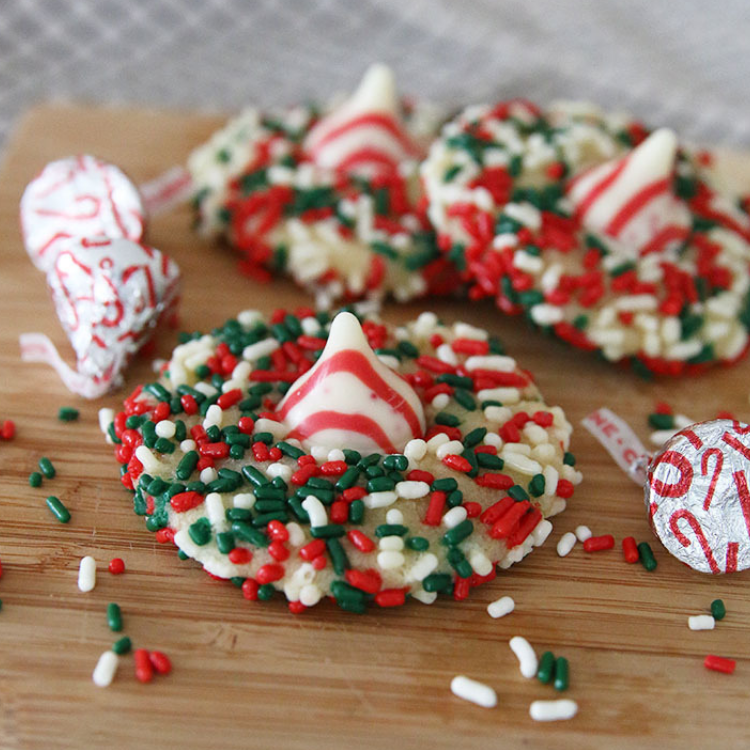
point(109, 294)
point(698, 498)
point(80, 196)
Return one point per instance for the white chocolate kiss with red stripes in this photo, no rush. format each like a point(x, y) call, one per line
point(364, 135)
point(631, 198)
point(350, 399)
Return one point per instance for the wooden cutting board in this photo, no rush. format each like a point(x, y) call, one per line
point(252, 675)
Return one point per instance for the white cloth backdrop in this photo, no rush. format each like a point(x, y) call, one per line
point(683, 63)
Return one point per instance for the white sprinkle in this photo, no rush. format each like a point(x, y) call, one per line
point(504, 395)
point(105, 669)
point(296, 534)
point(566, 544)
point(562, 709)
point(521, 463)
point(394, 516)
point(526, 656)
point(208, 475)
point(316, 510)
point(551, 477)
point(451, 448)
point(473, 691)
point(319, 453)
point(247, 318)
point(260, 349)
point(426, 597)
point(310, 595)
point(436, 441)
point(380, 499)
point(206, 389)
point(541, 531)
point(466, 331)
point(503, 606)
point(440, 401)
point(393, 542)
point(583, 533)
point(546, 314)
point(336, 455)
point(214, 416)
point(87, 574)
point(148, 459)
point(244, 500)
point(497, 362)
point(390, 559)
point(165, 428)
point(188, 445)
point(215, 509)
point(280, 470)
point(416, 449)
point(106, 417)
point(411, 489)
point(492, 438)
point(480, 563)
point(701, 622)
point(277, 429)
point(423, 567)
point(454, 517)
point(500, 414)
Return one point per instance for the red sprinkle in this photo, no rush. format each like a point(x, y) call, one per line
point(278, 551)
point(457, 463)
point(297, 608)
point(390, 597)
point(144, 670)
point(368, 581)
point(160, 662)
point(183, 501)
point(630, 549)
point(472, 509)
point(495, 481)
point(333, 468)
point(249, 588)
point(116, 566)
point(277, 531)
point(417, 475)
point(240, 556)
point(8, 430)
point(435, 508)
point(339, 511)
point(353, 493)
point(719, 664)
point(565, 488)
point(246, 425)
point(312, 550)
point(599, 543)
point(361, 541)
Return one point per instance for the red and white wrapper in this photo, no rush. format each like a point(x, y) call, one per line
point(698, 497)
point(80, 196)
point(109, 293)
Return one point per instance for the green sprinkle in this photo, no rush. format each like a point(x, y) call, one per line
point(248, 534)
point(569, 459)
point(458, 533)
point(200, 531)
point(646, 556)
point(114, 617)
point(265, 592)
point(474, 438)
point(348, 478)
point(328, 531)
point(561, 673)
point(408, 349)
point(456, 381)
point(465, 399)
point(437, 582)
point(380, 484)
point(68, 414)
point(46, 467)
point(351, 456)
point(356, 511)
point(339, 559)
point(546, 667)
point(225, 542)
point(518, 493)
point(447, 484)
point(537, 485)
point(459, 563)
point(158, 391)
point(390, 529)
point(35, 479)
point(455, 498)
point(718, 610)
point(164, 445)
point(489, 461)
point(418, 543)
point(396, 462)
point(122, 646)
point(450, 420)
point(255, 476)
point(289, 450)
point(661, 421)
point(263, 437)
point(59, 511)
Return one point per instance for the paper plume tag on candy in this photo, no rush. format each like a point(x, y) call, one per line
point(109, 294)
point(364, 135)
point(81, 196)
point(350, 399)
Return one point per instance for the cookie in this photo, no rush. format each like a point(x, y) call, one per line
point(602, 234)
point(333, 201)
point(345, 458)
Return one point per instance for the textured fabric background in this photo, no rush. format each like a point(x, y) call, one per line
point(683, 63)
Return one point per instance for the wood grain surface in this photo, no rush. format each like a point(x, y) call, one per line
point(251, 675)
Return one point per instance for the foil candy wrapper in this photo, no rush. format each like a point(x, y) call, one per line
point(80, 196)
point(109, 294)
point(698, 497)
